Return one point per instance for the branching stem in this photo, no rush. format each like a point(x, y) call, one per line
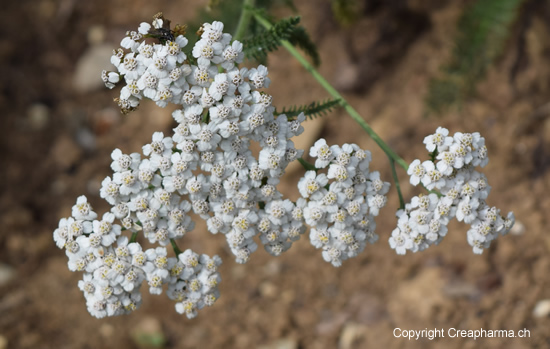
point(244, 20)
point(134, 236)
point(392, 156)
point(175, 247)
point(306, 165)
point(396, 181)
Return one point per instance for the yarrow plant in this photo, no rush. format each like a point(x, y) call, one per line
point(462, 193)
point(206, 167)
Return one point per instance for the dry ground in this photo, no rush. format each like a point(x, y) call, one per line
point(56, 143)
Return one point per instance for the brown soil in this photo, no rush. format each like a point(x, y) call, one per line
point(56, 144)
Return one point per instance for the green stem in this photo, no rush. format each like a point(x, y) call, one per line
point(134, 237)
point(433, 155)
point(244, 20)
point(175, 247)
point(335, 94)
point(397, 186)
point(306, 165)
point(206, 118)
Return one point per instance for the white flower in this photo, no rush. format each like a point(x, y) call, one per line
point(146, 52)
point(237, 77)
point(376, 185)
point(109, 191)
point(333, 255)
point(156, 279)
point(187, 307)
point(258, 77)
point(278, 211)
point(127, 182)
point(461, 155)
point(220, 87)
point(61, 234)
point(122, 162)
point(110, 78)
point(314, 214)
point(271, 160)
point(96, 307)
point(156, 259)
point(437, 229)
point(83, 210)
point(190, 260)
point(446, 163)
point(87, 284)
point(172, 50)
point(212, 31)
point(425, 202)
point(418, 222)
point(376, 202)
point(131, 41)
point(201, 75)
point(232, 54)
point(508, 223)
point(480, 157)
point(132, 279)
point(467, 209)
point(206, 99)
point(197, 187)
point(131, 68)
point(107, 229)
point(147, 175)
point(416, 171)
point(149, 84)
point(207, 137)
point(332, 199)
point(400, 242)
point(160, 145)
point(162, 163)
point(340, 173)
point(322, 152)
point(440, 140)
point(477, 244)
point(445, 210)
point(319, 236)
point(144, 28)
point(310, 184)
point(432, 178)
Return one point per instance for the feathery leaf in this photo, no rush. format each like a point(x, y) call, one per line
point(299, 37)
point(482, 33)
point(259, 46)
point(313, 110)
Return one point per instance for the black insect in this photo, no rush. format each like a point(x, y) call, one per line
point(162, 34)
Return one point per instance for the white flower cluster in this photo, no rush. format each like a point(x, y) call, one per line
point(115, 267)
point(161, 71)
point(341, 213)
point(222, 113)
point(463, 191)
point(206, 166)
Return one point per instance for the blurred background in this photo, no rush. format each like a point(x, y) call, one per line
point(407, 66)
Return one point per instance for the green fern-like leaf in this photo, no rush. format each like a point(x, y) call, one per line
point(271, 40)
point(482, 33)
point(259, 46)
point(228, 12)
point(299, 37)
point(313, 110)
